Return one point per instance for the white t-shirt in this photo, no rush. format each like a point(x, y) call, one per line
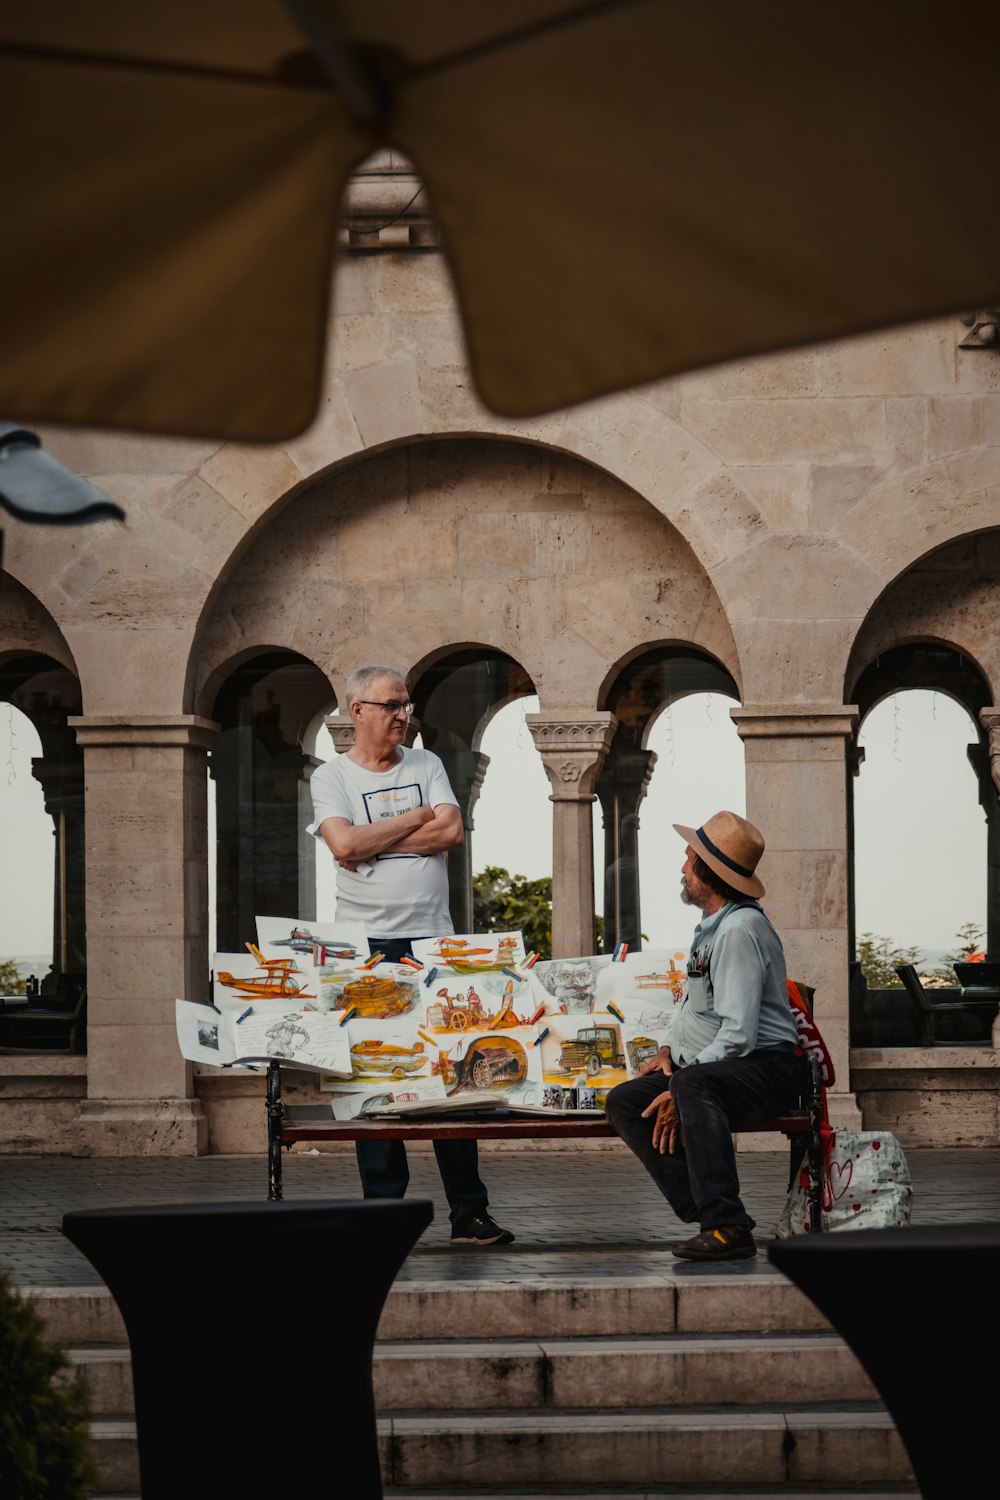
point(394, 895)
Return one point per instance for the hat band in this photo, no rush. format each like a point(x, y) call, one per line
point(730, 863)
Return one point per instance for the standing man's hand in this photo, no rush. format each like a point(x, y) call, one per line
point(668, 1134)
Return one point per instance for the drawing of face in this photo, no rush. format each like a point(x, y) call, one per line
point(571, 983)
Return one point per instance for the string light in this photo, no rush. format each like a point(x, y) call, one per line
point(11, 742)
point(895, 729)
point(669, 738)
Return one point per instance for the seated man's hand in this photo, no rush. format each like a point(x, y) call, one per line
point(422, 815)
point(668, 1136)
point(660, 1062)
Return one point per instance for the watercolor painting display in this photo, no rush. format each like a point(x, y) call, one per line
point(468, 1020)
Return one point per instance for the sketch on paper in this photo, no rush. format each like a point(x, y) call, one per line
point(656, 976)
point(572, 982)
point(585, 1052)
point(314, 943)
point(488, 1001)
point(471, 953)
point(494, 1062)
point(260, 978)
point(302, 1038)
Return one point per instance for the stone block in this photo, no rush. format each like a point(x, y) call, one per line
point(791, 373)
point(472, 1376)
point(330, 438)
point(144, 1127)
point(91, 452)
point(428, 548)
point(134, 1066)
point(834, 489)
point(780, 493)
point(776, 432)
point(915, 359)
point(384, 401)
point(800, 662)
point(250, 478)
point(413, 284)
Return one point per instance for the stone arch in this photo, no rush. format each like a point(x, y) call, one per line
point(263, 705)
point(27, 627)
point(552, 559)
point(933, 628)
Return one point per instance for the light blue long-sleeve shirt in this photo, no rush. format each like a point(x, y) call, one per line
point(737, 993)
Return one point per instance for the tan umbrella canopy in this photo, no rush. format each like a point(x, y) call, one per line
point(624, 190)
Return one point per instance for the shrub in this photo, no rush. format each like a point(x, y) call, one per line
point(45, 1451)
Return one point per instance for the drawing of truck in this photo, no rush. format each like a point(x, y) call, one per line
point(594, 1047)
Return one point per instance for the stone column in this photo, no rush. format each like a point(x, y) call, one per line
point(572, 747)
point(147, 919)
point(796, 771)
point(621, 786)
point(989, 797)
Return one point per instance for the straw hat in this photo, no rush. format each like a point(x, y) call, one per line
point(731, 847)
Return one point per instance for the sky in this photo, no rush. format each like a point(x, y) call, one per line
point(921, 835)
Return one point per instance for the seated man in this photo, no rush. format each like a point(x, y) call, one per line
point(732, 1058)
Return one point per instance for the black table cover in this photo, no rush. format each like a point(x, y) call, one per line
point(251, 1327)
point(919, 1307)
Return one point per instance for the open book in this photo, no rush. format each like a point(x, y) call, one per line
point(265, 1032)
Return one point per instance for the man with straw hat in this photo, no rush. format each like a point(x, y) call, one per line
point(731, 1060)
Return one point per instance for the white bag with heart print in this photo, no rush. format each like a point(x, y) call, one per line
point(868, 1186)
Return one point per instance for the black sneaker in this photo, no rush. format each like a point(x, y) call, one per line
point(480, 1230)
point(735, 1242)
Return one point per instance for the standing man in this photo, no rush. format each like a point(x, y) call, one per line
point(732, 1057)
point(388, 816)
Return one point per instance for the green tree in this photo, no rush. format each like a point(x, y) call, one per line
point(878, 959)
point(10, 981)
point(44, 1423)
point(502, 902)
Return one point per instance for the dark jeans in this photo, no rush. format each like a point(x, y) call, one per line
point(713, 1099)
point(383, 1165)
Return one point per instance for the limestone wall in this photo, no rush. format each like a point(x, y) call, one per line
point(792, 516)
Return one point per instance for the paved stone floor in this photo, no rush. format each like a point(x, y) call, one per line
point(575, 1213)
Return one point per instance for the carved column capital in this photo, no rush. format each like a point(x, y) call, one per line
point(794, 720)
point(341, 732)
point(476, 785)
point(989, 718)
point(160, 730)
point(573, 748)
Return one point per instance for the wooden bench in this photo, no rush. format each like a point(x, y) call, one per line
point(288, 1125)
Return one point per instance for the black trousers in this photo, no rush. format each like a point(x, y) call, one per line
point(384, 1170)
point(713, 1099)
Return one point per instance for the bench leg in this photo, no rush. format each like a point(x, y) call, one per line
point(275, 1116)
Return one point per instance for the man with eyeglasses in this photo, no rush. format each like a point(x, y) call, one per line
point(388, 815)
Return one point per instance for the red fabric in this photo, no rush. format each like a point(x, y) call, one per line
point(809, 1036)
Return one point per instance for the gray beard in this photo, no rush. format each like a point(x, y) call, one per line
point(686, 896)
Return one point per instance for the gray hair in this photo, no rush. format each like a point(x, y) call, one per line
point(360, 681)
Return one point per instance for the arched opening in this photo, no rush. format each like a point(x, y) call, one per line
point(642, 696)
point(43, 692)
point(924, 836)
point(265, 862)
point(455, 698)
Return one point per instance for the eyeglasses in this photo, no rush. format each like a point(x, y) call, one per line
point(392, 706)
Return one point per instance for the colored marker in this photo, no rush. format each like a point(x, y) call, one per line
point(531, 962)
point(539, 1039)
point(430, 977)
point(539, 1012)
point(370, 963)
point(247, 1012)
point(512, 974)
point(410, 961)
point(615, 1011)
point(347, 1015)
point(427, 1038)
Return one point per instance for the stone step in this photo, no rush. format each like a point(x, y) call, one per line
point(720, 1301)
point(502, 1375)
point(555, 1451)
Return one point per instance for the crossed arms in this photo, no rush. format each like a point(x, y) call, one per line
point(422, 830)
